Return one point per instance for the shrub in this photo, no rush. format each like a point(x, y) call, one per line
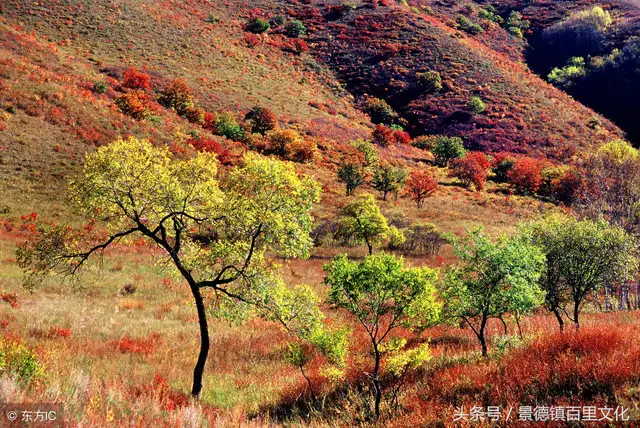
point(279, 141)
point(212, 146)
point(368, 150)
point(431, 81)
point(423, 239)
point(526, 175)
point(401, 137)
point(100, 87)
point(502, 164)
point(19, 361)
point(228, 127)
point(491, 14)
point(134, 103)
point(467, 26)
point(257, 26)
point(420, 186)
point(383, 136)
point(177, 96)
point(424, 142)
point(295, 28)
point(135, 79)
point(302, 151)
point(476, 105)
point(471, 169)
point(515, 31)
point(262, 120)
point(295, 46)
point(209, 122)
point(194, 115)
point(566, 76)
point(379, 111)
point(447, 149)
point(388, 179)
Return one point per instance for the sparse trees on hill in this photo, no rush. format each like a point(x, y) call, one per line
point(141, 190)
point(384, 295)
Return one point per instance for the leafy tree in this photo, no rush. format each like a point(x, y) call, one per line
point(526, 175)
point(388, 179)
point(566, 76)
point(493, 279)
point(383, 295)
point(380, 111)
point(448, 148)
point(420, 186)
point(581, 258)
point(228, 127)
point(369, 151)
point(476, 105)
point(177, 96)
point(362, 221)
point(262, 120)
point(502, 163)
point(351, 172)
point(139, 189)
point(471, 169)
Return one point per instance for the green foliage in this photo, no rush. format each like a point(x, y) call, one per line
point(368, 149)
point(257, 26)
point(431, 81)
point(388, 179)
point(362, 221)
point(100, 87)
point(476, 105)
point(383, 295)
point(467, 26)
point(227, 126)
point(16, 360)
point(618, 151)
point(567, 75)
point(493, 279)
point(295, 29)
point(447, 149)
point(490, 13)
point(517, 32)
point(352, 174)
point(380, 111)
point(515, 20)
point(581, 258)
point(411, 359)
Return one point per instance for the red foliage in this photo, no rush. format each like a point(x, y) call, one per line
point(10, 298)
point(212, 146)
point(135, 104)
point(420, 186)
point(383, 136)
point(402, 137)
point(128, 345)
point(526, 175)
point(295, 46)
point(471, 169)
point(209, 122)
point(566, 188)
point(135, 79)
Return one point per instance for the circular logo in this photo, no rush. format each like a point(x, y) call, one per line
point(12, 415)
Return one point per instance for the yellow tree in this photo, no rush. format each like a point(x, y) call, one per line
point(215, 233)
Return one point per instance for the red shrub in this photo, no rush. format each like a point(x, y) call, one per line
point(526, 175)
point(402, 137)
point(383, 136)
point(135, 104)
point(567, 187)
point(212, 146)
point(209, 122)
point(11, 299)
point(177, 96)
point(262, 120)
point(295, 46)
point(420, 186)
point(471, 169)
point(128, 345)
point(135, 79)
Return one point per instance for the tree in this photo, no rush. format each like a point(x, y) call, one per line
point(262, 120)
point(362, 221)
point(493, 279)
point(471, 169)
point(139, 189)
point(351, 172)
point(526, 175)
point(446, 149)
point(257, 26)
point(380, 111)
point(581, 258)
point(177, 96)
point(420, 186)
point(383, 295)
point(368, 150)
point(388, 179)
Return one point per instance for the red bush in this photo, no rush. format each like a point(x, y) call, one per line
point(128, 345)
point(383, 136)
point(262, 120)
point(402, 137)
point(526, 175)
point(135, 104)
point(420, 186)
point(135, 79)
point(11, 299)
point(471, 169)
point(209, 122)
point(212, 146)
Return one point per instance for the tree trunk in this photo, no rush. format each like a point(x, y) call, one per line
point(482, 338)
point(198, 372)
point(576, 314)
point(376, 383)
point(556, 312)
point(369, 246)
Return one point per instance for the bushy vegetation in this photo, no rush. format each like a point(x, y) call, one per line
point(446, 149)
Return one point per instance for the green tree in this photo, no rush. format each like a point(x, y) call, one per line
point(139, 189)
point(492, 280)
point(388, 179)
point(362, 221)
point(383, 295)
point(295, 29)
point(351, 172)
point(368, 150)
point(476, 105)
point(447, 149)
point(581, 258)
